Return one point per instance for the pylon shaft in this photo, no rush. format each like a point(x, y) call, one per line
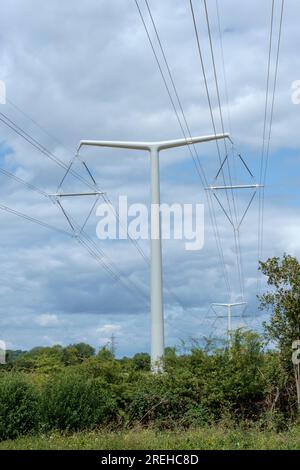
point(157, 315)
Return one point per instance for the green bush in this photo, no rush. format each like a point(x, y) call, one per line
point(19, 406)
point(73, 401)
point(233, 381)
point(172, 399)
point(141, 361)
point(203, 386)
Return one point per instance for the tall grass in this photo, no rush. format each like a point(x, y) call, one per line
point(206, 438)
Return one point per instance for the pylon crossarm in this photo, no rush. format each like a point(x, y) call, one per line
point(162, 145)
point(234, 304)
point(234, 186)
point(232, 316)
point(229, 317)
point(114, 144)
point(189, 141)
point(93, 193)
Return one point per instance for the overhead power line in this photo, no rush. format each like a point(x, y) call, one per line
point(34, 220)
point(223, 67)
point(194, 155)
point(199, 49)
point(236, 225)
point(68, 167)
point(267, 125)
point(76, 232)
point(93, 250)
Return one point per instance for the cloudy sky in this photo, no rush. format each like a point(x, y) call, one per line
point(85, 70)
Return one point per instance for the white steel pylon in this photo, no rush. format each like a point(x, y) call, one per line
point(229, 317)
point(232, 214)
point(156, 287)
point(217, 188)
point(93, 192)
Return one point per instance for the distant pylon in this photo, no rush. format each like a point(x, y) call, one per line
point(113, 344)
point(229, 317)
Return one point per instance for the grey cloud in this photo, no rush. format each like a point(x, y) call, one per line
point(85, 70)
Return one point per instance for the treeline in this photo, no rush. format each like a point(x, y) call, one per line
point(73, 389)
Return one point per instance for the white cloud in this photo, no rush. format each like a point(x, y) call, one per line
point(108, 329)
point(47, 320)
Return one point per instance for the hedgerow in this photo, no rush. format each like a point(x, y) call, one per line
point(200, 387)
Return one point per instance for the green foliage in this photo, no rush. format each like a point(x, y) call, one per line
point(42, 359)
point(11, 356)
point(105, 354)
point(283, 300)
point(231, 381)
point(72, 389)
point(203, 387)
point(141, 361)
point(77, 353)
point(52, 359)
point(74, 401)
point(19, 406)
point(166, 400)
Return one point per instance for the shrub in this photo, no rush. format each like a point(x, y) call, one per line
point(169, 400)
point(233, 382)
point(19, 406)
point(77, 353)
point(72, 401)
point(141, 361)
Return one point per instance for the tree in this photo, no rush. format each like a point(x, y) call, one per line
point(284, 302)
point(141, 361)
point(43, 359)
point(77, 353)
point(105, 354)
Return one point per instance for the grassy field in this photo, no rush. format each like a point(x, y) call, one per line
point(219, 438)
